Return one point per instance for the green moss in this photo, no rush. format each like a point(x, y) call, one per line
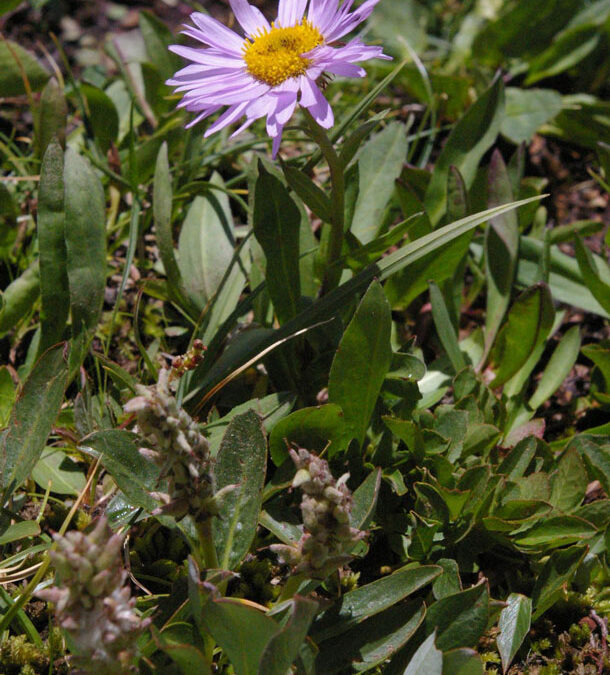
point(16, 653)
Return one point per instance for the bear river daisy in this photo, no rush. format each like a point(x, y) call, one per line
point(274, 66)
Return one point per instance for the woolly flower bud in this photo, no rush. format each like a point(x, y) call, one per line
point(177, 447)
point(92, 603)
point(325, 509)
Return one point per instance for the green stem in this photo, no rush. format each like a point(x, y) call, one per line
point(332, 274)
point(206, 541)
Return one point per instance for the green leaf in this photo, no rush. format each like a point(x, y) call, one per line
point(373, 598)
point(528, 324)
point(312, 428)
point(51, 117)
point(427, 660)
point(469, 140)
point(501, 249)
point(362, 361)
point(85, 232)
point(162, 211)
point(18, 531)
point(444, 328)
point(567, 49)
point(241, 461)
point(462, 662)
point(554, 532)
point(597, 459)
point(225, 619)
point(556, 573)
point(514, 625)
point(558, 368)
point(364, 500)
point(103, 116)
point(34, 413)
point(206, 245)
point(283, 648)
point(7, 395)
point(134, 475)
point(13, 59)
point(19, 298)
point(527, 110)
point(54, 288)
point(157, 38)
point(569, 482)
point(460, 619)
point(176, 640)
point(66, 476)
point(313, 196)
point(371, 642)
point(595, 272)
point(380, 164)
point(276, 223)
point(600, 355)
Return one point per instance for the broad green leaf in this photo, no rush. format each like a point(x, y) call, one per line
point(501, 249)
point(8, 6)
point(597, 458)
point(427, 660)
point(17, 531)
point(514, 625)
point(380, 164)
point(527, 110)
point(206, 244)
point(469, 140)
point(595, 272)
point(14, 58)
point(162, 210)
point(176, 640)
point(460, 619)
point(366, 601)
point(34, 413)
point(242, 631)
point(556, 573)
point(567, 49)
point(85, 233)
point(311, 428)
point(54, 287)
point(362, 361)
point(462, 662)
point(554, 532)
point(134, 475)
point(241, 461)
point(558, 368)
point(371, 642)
point(528, 324)
point(55, 467)
point(276, 223)
point(569, 482)
point(283, 648)
point(51, 117)
point(19, 297)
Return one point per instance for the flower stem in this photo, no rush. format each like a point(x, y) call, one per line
point(208, 550)
point(332, 273)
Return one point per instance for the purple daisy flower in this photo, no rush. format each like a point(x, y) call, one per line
point(274, 67)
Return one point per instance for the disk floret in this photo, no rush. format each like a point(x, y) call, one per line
point(177, 447)
point(92, 602)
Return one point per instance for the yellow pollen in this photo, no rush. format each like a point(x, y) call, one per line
point(275, 56)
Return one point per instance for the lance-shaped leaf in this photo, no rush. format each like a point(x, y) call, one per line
point(528, 324)
point(54, 288)
point(34, 412)
point(514, 625)
point(362, 361)
point(277, 223)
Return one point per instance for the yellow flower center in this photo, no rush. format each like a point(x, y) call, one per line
point(275, 56)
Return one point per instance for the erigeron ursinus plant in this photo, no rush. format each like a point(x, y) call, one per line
point(458, 513)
